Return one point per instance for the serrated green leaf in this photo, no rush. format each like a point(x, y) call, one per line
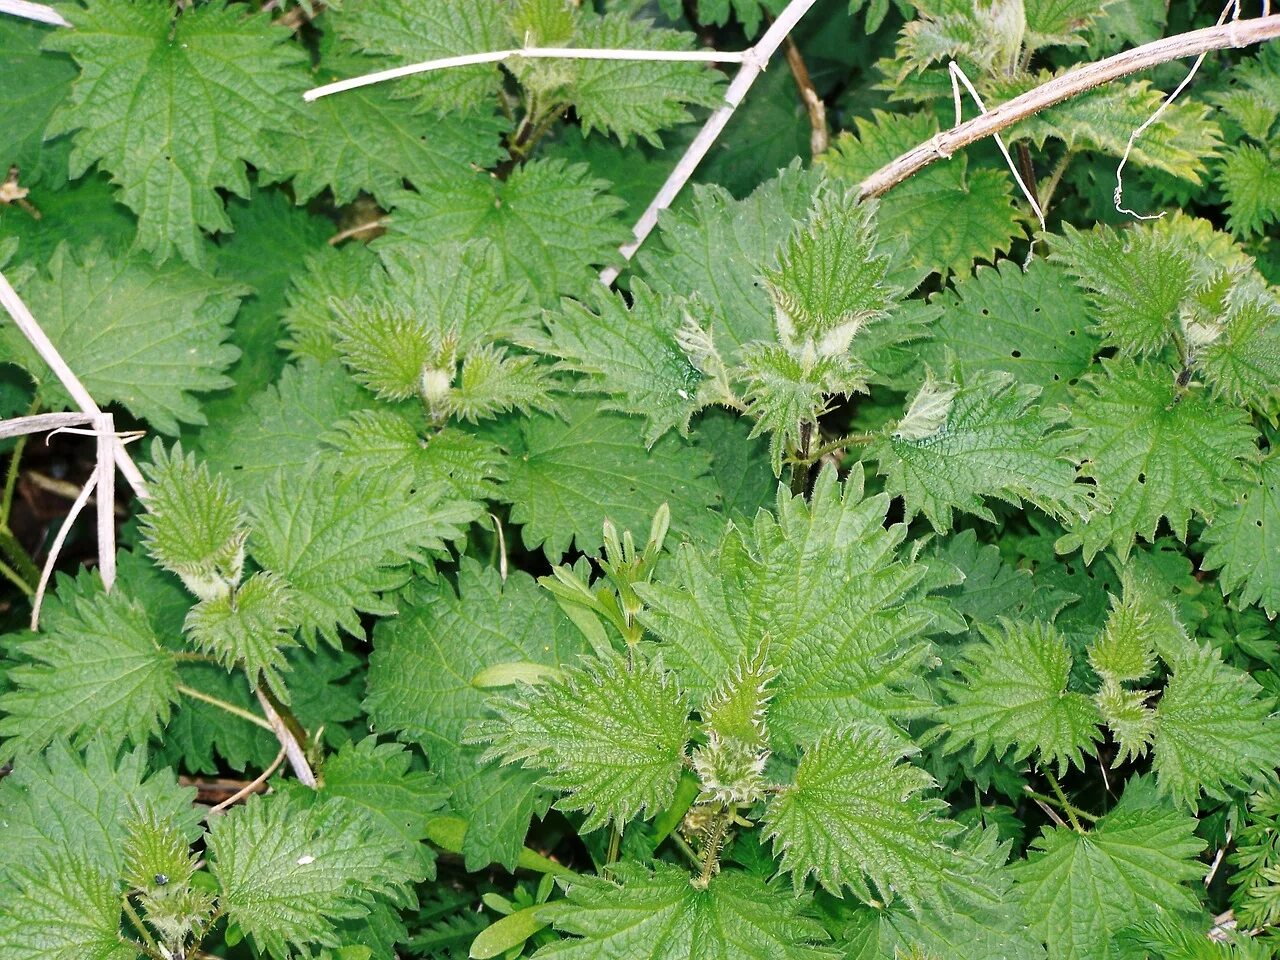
point(1213, 730)
point(1059, 22)
point(194, 525)
point(720, 246)
point(289, 868)
point(1153, 454)
point(158, 333)
point(1125, 650)
point(991, 440)
point(611, 735)
point(61, 907)
point(1137, 280)
point(855, 814)
point(637, 98)
point(1250, 178)
point(1014, 696)
point(631, 354)
point(1244, 541)
point(566, 477)
point(490, 382)
point(1031, 324)
point(95, 674)
point(408, 31)
point(248, 627)
point(329, 275)
point(825, 583)
point(420, 675)
point(342, 541)
point(1080, 889)
point(659, 915)
point(215, 88)
point(1241, 363)
point(552, 224)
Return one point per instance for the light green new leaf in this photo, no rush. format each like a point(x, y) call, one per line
point(1154, 454)
point(95, 673)
point(420, 675)
point(365, 140)
point(1244, 541)
point(552, 223)
point(410, 31)
point(719, 246)
point(632, 355)
point(1078, 890)
point(637, 98)
point(193, 525)
point(611, 735)
point(855, 814)
point(249, 627)
point(327, 275)
point(1137, 280)
point(660, 915)
point(342, 540)
point(490, 383)
point(290, 868)
point(1013, 696)
point(986, 438)
point(976, 207)
point(1251, 95)
point(823, 580)
point(1125, 650)
point(1214, 730)
point(1032, 324)
point(216, 86)
point(1241, 363)
point(158, 334)
point(1250, 178)
point(566, 477)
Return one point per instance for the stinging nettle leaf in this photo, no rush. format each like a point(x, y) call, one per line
point(611, 735)
point(1244, 541)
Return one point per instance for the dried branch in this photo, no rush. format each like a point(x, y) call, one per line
point(33, 11)
point(1234, 34)
point(292, 748)
point(820, 136)
point(754, 61)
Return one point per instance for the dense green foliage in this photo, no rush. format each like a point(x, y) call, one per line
point(873, 580)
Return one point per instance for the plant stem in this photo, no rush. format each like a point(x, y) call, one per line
point(1066, 805)
point(12, 576)
point(1045, 798)
point(152, 947)
point(22, 563)
point(1055, 176)
point(852, 440)
point(192, 657)
point(230, 708)
point(683, 846)
point(711, 852)
point(615, 844)
point(11, 475)
point(801, 462)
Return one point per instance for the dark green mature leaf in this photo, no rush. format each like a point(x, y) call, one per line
point(34, 84)
point(1080, 889)
point(1029, 323)
point(289, 868)
point(659, 915)
point(823, 581)
point(630, 354)
point(1244, 541)
point(552, 223)
point(611, 735)
point(96, 674)
point(158, 333)
point(855, 814)
point(566, 477)
point(1213, 730)
point(420, 675)
point(342, 541)
point(985, 437)
point(1014, 696)
point(1154, 454)
point(174, 133)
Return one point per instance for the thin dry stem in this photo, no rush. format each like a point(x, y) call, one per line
point(819, 135)
point(248, 788)
point(293, 749)
point(33, 11)
point(56, 547)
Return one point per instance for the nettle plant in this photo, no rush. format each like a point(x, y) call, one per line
point(952, 633)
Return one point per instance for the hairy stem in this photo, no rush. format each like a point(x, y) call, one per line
point(11, 475)
point(18, 557)
point(230, 708)
point(711, 851)
point(1066, 804)
point(153, 948)
point(1055, 177)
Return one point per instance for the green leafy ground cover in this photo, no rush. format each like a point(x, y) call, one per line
point(851, 580)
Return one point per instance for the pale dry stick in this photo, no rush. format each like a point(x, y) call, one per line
point(248, 788)
point(56, 547)
point(1232, 7)
point(40, 423)
point(529, 53)
point(942, 145)
point(293, 749)
point(106, 470)
point(754, 60)
point(39, 12)
point(35, 334)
